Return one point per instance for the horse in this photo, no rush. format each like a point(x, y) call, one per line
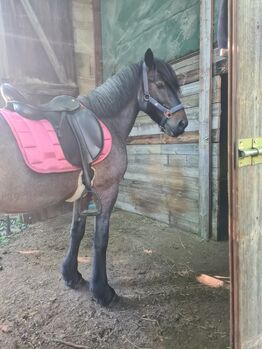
point(150, 86)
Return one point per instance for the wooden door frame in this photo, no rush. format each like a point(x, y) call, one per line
point(245, 184)
point(232, 179)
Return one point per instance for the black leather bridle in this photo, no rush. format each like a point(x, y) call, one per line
point(149, 99)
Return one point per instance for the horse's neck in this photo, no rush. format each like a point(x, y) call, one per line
point(125, 120)
point(115, 101)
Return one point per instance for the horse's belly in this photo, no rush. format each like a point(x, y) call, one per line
point(31, 195)
point(21, 189)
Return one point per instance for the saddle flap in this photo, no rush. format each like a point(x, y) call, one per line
point(88, 133)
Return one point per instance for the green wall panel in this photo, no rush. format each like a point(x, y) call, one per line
point(129, 27)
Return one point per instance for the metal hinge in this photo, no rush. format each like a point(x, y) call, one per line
point(249, 151)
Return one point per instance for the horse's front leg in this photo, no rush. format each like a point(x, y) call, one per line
point(102, 292)
point(71, 275)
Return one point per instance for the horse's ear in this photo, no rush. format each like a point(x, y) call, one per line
point(149, 59)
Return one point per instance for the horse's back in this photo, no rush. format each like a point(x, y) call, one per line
point(21, 189)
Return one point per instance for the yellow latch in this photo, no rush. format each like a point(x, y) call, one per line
point(249, 151)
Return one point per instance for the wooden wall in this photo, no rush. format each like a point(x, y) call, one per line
point(162, 179)
point(169, 27)
point(36, 45)
point(47, 47)
point(83, 28)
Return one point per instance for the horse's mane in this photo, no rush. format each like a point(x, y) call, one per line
point(115, 93)
point(109, 98)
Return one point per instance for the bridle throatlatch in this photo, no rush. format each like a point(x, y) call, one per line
point(167, 112)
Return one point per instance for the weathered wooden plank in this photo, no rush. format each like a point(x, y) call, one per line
point(156, 169)
point(183, 224)
point(193, 160)
point(145, 159)
point(187, 70)
point(160, 216)
point(176, 203)
point(83, 27)
point(190, 95)
point(147, 202)
point(195, 87)
point(4, 61)
point(171, 159)
point(245, 183)
point(186, 149)
point(178, 183)
point(58, 68)
point(83, 40)
point(189, 217)
point(158, 204)
point(215, 208)
point(187, 137)
point(82, 14)
point(206, 42)
point(98, 41)
point(186, 191)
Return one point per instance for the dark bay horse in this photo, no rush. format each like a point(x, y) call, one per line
point(149, 86)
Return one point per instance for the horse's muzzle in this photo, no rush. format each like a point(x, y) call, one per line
point(175, 126)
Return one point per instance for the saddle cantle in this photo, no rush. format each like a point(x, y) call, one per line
point(77, 128)
point(17, 102)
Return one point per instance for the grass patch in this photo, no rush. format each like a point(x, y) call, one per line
point(9, 226)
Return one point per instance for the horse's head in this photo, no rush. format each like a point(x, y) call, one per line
point(159, 96)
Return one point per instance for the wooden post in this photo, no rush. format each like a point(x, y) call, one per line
point(245, 183)
point(98, 42)
point(205, 67)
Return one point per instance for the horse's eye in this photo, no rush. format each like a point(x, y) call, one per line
point(160, 84)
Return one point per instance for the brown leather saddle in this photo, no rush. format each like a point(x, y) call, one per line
point(77, 128)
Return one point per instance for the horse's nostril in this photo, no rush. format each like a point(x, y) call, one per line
point(182, 124)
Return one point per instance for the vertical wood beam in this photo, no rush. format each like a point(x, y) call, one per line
point(98, 41)
point(205, 95)
point(3, 48)
point(232, 179)
point(245, 184)
point(58, 67)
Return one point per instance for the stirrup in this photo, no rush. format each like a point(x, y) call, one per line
point(93, 206)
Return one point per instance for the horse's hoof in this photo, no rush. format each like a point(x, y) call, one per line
point(75, 282)
point(105, 297)
point(115, 300)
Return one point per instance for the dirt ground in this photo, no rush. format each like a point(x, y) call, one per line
point(153, 268)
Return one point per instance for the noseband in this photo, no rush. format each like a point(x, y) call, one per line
point(167, 112)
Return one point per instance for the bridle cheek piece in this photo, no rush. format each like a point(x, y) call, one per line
point(167, 113)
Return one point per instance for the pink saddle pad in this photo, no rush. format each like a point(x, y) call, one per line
point(39, 144)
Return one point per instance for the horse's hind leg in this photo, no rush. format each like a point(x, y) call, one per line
point(71, 275)
point(102, 292)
